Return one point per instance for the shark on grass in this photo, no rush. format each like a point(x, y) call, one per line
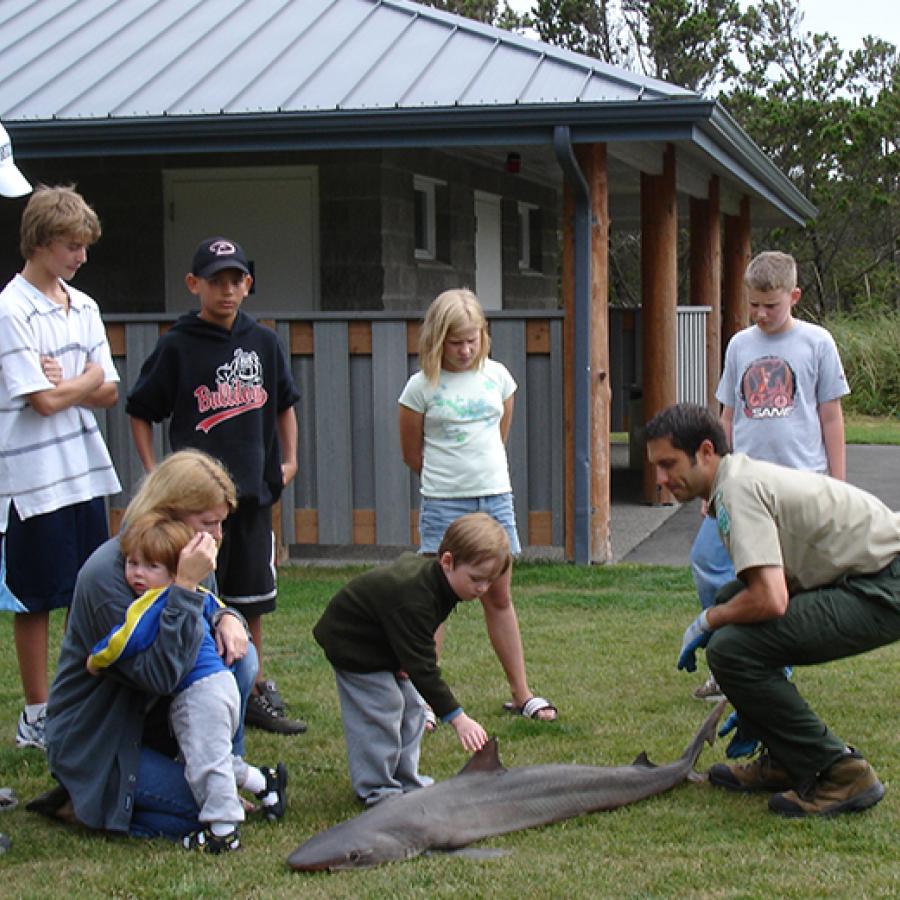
point(485, 799)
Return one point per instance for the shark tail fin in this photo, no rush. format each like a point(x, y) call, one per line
point(487, 759)
point(706, 734)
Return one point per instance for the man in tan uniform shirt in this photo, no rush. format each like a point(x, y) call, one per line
point(819, 579)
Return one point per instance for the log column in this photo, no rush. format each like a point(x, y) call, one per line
point(659, 299)
point(706, 280)
point(736, 257)
point(592, 160)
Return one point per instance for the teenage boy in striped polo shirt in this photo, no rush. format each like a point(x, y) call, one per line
point(55, 368)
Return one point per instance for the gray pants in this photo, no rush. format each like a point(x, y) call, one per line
point(384, 720)
point(204, 718)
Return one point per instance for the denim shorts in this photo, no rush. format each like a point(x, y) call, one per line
point(436, 515)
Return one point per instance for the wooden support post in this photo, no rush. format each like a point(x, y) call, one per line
point(659, 299)
point(706, 280)
point(592, 160)
point(736, 257)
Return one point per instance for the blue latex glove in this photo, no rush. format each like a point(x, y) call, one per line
point(742, 744)
point(696, 635)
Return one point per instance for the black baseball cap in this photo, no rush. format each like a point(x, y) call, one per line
point(217, 253)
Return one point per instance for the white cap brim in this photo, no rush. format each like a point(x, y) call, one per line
point(12, 182)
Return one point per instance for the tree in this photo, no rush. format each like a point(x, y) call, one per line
point(824, 117)
point(685, 42)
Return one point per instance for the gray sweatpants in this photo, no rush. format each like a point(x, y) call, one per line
point(384, 720)
point(204, 718)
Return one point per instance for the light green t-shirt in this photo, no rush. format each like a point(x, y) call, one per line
point(815, 527)
point(464, 453)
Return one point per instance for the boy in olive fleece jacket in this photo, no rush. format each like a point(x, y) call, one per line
point(378, 634)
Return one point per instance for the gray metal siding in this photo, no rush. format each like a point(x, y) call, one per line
point(349, 459)
point(392, 484)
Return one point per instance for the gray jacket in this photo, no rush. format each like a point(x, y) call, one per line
point(95, 724)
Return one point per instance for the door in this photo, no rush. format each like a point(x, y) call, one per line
point(489, 250)
point(272, 212)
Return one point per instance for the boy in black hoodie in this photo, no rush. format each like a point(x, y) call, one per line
point(226, 383)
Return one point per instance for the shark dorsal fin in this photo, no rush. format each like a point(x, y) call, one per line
point(487, 759)
point(641, 760)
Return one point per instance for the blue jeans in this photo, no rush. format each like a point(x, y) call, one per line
point(438, 513)
point(711, 565)
point(163, 802)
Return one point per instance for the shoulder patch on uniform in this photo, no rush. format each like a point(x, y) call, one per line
point(722, 520)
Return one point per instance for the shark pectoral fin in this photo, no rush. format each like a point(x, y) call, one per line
point(641, 760)
point(476, 853)
point(487, 759)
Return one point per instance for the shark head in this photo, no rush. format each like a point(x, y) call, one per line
point(349, 846)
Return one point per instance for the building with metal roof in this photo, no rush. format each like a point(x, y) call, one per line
point(371, 153)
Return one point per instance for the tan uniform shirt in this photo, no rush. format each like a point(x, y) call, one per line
point(815, 527)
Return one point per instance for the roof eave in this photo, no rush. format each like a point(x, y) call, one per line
point(704, 123)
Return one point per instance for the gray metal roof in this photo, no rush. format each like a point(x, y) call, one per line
point(87, 59)
point(90, 77)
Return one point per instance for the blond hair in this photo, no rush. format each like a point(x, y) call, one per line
point(187, 482)
point(157, 538)
point(56, 212)
point(476, 538)
point(771, 271)
point(450, 312)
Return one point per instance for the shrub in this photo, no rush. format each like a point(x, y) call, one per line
point(870, 349)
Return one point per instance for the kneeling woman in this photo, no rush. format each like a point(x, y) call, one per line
point(106, 736)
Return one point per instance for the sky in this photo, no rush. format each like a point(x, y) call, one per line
point(848, 20)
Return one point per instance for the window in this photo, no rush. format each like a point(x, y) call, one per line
point(427, 193)
point(530, 237)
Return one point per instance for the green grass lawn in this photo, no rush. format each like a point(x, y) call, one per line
point(601, 643)
point(860, 429)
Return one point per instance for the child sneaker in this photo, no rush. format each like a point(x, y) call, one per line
point(207, 842)
point(266, 710)
point(276, 783)
point(849, 785)
point(32, 734)
point(709, 691)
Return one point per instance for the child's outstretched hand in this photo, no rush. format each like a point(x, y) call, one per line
point(471, 735)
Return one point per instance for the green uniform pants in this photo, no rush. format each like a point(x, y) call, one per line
point(855, 614)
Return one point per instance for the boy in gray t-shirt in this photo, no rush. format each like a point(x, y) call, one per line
point(780, 391)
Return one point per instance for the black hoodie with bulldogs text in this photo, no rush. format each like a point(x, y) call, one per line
point(224, 391)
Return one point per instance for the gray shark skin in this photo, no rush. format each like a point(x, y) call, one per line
point(485, 799)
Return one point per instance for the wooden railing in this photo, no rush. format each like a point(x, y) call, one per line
point(352, 486)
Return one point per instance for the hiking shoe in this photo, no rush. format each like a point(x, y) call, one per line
point(709, 691)
point(763, 774)
point(276, 783)
point(207, 842)
point(266, 710)
point(32, 734)
point(849, 785)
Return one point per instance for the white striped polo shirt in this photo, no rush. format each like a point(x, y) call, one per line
point(49, 462)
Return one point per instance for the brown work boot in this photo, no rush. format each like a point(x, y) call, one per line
point(849, 785)
point(763, 774)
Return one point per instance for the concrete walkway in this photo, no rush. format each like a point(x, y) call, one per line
point(667, 542)
point(651, 535)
